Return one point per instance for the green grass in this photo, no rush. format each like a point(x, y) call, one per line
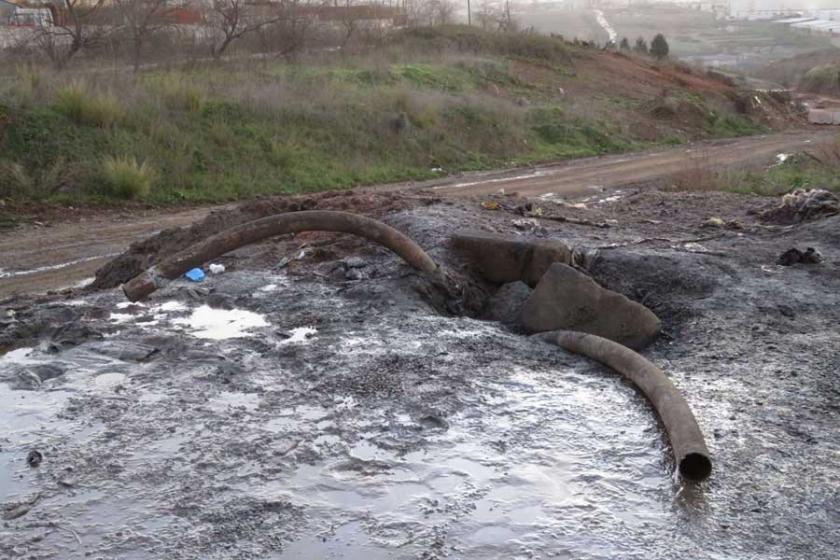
point(85, 107)
point(822, 79)
point(457, 101)
point(125, 178)
point(798, 172)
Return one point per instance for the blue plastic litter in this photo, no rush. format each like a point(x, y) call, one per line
point(196, 275)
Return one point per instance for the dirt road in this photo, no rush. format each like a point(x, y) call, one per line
point(36, 259)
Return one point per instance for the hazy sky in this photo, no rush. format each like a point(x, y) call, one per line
point(787, 4)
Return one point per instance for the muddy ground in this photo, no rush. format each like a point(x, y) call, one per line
point(319, 399)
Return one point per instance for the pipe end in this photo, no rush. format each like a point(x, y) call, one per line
point(695, 466)
point(141, 285)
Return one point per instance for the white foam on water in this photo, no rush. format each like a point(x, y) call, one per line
point(220, 324)
point(18, 356)
point(171, 306)
point(299, 335)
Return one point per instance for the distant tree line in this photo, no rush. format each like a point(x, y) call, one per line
point(658, 49)
point(142, 31)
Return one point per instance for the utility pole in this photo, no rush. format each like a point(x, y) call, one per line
point(469, 14)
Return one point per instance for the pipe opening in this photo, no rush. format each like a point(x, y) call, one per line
point(695, 466)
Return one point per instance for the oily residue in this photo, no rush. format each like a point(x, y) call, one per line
point(348, 419)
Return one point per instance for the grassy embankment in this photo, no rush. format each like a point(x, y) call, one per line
point(431, 102)
point(818, 168)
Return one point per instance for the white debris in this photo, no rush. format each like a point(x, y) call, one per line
point(216, 268)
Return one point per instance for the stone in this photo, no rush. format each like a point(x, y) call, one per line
point(795, 256)
point(506, 304)
point(566, 299)
point(503, 259)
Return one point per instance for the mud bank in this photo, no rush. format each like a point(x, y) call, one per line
point(315, 402)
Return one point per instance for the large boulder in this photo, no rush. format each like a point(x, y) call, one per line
point(566, 299)
point(502, 259)
point(506, 304)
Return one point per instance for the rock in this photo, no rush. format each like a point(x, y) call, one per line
point(802, 205)
point(34, 458)
point(503, 259)
point(566, 299)
point(355, 274)
point(714, 222)
point(506, 304)
point(795, 256)
point(354, 262)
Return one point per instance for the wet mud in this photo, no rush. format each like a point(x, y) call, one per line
point(314, 401)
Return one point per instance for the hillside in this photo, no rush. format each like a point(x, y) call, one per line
point(426, 103)
point(794, 71)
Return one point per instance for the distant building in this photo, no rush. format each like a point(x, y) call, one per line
point(20, 14)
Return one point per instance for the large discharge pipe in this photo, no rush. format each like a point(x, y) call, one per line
point(690, 452)
point(311, 220)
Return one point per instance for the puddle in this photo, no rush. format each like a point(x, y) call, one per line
point(28, 272)
point(497, 180)
point(18, 356)
point(347, 542)
point(220, 324)
point(227, 400)
point(28, 420)
point(315, 451)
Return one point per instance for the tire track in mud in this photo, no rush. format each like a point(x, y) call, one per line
point(34, 260)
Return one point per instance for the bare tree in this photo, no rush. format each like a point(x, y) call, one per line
point(288, 31)
point(233, 20)
point(489, 16)
point(430, 12)
point(142, 18)
point(350, 21)
point(73, 27)
point(442, 12)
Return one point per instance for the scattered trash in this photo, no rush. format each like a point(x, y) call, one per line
point(194, 275)
point(34, 458)
point(715, 222)
point(490, 205)
point(781, 158)
point(216, 268)
point(802, 205)
point(284, 262)
point(795, 256)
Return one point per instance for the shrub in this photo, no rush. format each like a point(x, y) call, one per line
point(124, 177)
point(822, 79)
point(641, 46)
point(87, 108)
point(659, 46)
point(14, 180)
point(519, 44)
